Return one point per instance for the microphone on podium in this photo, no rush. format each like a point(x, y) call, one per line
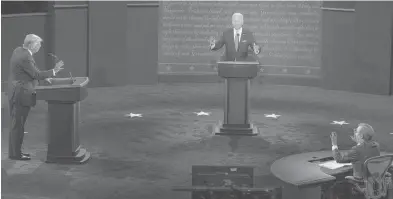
point(72, 78)
point(54, 56)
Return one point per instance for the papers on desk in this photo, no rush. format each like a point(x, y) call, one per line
point(333, 164)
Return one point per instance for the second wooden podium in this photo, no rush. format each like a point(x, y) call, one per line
point(237, 105)
point(63, 96)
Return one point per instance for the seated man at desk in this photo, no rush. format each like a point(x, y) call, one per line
point(365, 148)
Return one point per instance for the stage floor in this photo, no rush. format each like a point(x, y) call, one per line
point(144, 157)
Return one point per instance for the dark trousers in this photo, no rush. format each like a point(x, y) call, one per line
point(18, 118)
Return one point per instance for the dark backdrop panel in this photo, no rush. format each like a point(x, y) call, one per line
point(71, 3)
point(20, 7)
point(357, 48)
point(289, 31)
point(338, 49)
point(391, 62)
point(70, 38)
point(339, 4)
point(107, 43)
point(373, 42)
point(13, 32)
point(142, 42)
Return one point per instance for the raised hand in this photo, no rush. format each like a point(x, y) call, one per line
point(212, 42)
point(58, 66)
point(256, 48)
point(333, 138)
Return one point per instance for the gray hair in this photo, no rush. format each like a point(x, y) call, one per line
point(31, 39)
point(237, 14)
point(366, 131)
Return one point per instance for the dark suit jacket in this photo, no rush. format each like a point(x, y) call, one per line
point(357, 155)
point(227, 39)
point(23, 77)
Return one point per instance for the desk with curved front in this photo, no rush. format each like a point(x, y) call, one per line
point(303, 177)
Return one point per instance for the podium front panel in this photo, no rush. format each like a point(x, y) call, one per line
point(236, 101)
point(237, 71)
point(63, 128)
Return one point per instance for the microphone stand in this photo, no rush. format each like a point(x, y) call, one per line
point(73, 80)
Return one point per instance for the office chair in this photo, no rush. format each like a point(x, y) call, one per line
point(377, 179)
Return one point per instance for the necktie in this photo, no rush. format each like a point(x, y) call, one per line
point(237, 41)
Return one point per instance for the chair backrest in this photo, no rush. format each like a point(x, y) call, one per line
point(376, 168)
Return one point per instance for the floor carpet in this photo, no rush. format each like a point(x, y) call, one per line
point(144, 157)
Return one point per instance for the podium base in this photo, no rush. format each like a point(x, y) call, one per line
point(240, 130)
point(81, 156)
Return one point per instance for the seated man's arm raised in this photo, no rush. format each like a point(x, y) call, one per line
point(345, 157)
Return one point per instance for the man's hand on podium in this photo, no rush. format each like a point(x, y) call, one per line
point(48, 80)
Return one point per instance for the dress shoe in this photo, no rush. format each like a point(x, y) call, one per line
point(21, 157)
point(26, 154)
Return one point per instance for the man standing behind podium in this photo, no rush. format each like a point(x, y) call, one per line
point(21, 92)
point(237, 41)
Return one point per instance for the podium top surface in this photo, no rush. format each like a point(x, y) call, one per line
point(57, 83)
point(239, 62)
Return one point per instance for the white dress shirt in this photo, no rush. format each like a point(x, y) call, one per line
point(29, 51)
point(237, 32)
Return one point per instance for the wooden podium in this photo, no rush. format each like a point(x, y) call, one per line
point(236, 109)
point(63, 96)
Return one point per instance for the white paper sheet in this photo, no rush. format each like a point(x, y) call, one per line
point(333, 164)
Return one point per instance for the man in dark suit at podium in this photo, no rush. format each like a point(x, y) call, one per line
point(23, 78)
point(237, 41)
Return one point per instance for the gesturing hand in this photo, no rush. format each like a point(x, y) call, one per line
point(212, 42)
point(256, 48)
point(58, 66)
point(333, 138)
